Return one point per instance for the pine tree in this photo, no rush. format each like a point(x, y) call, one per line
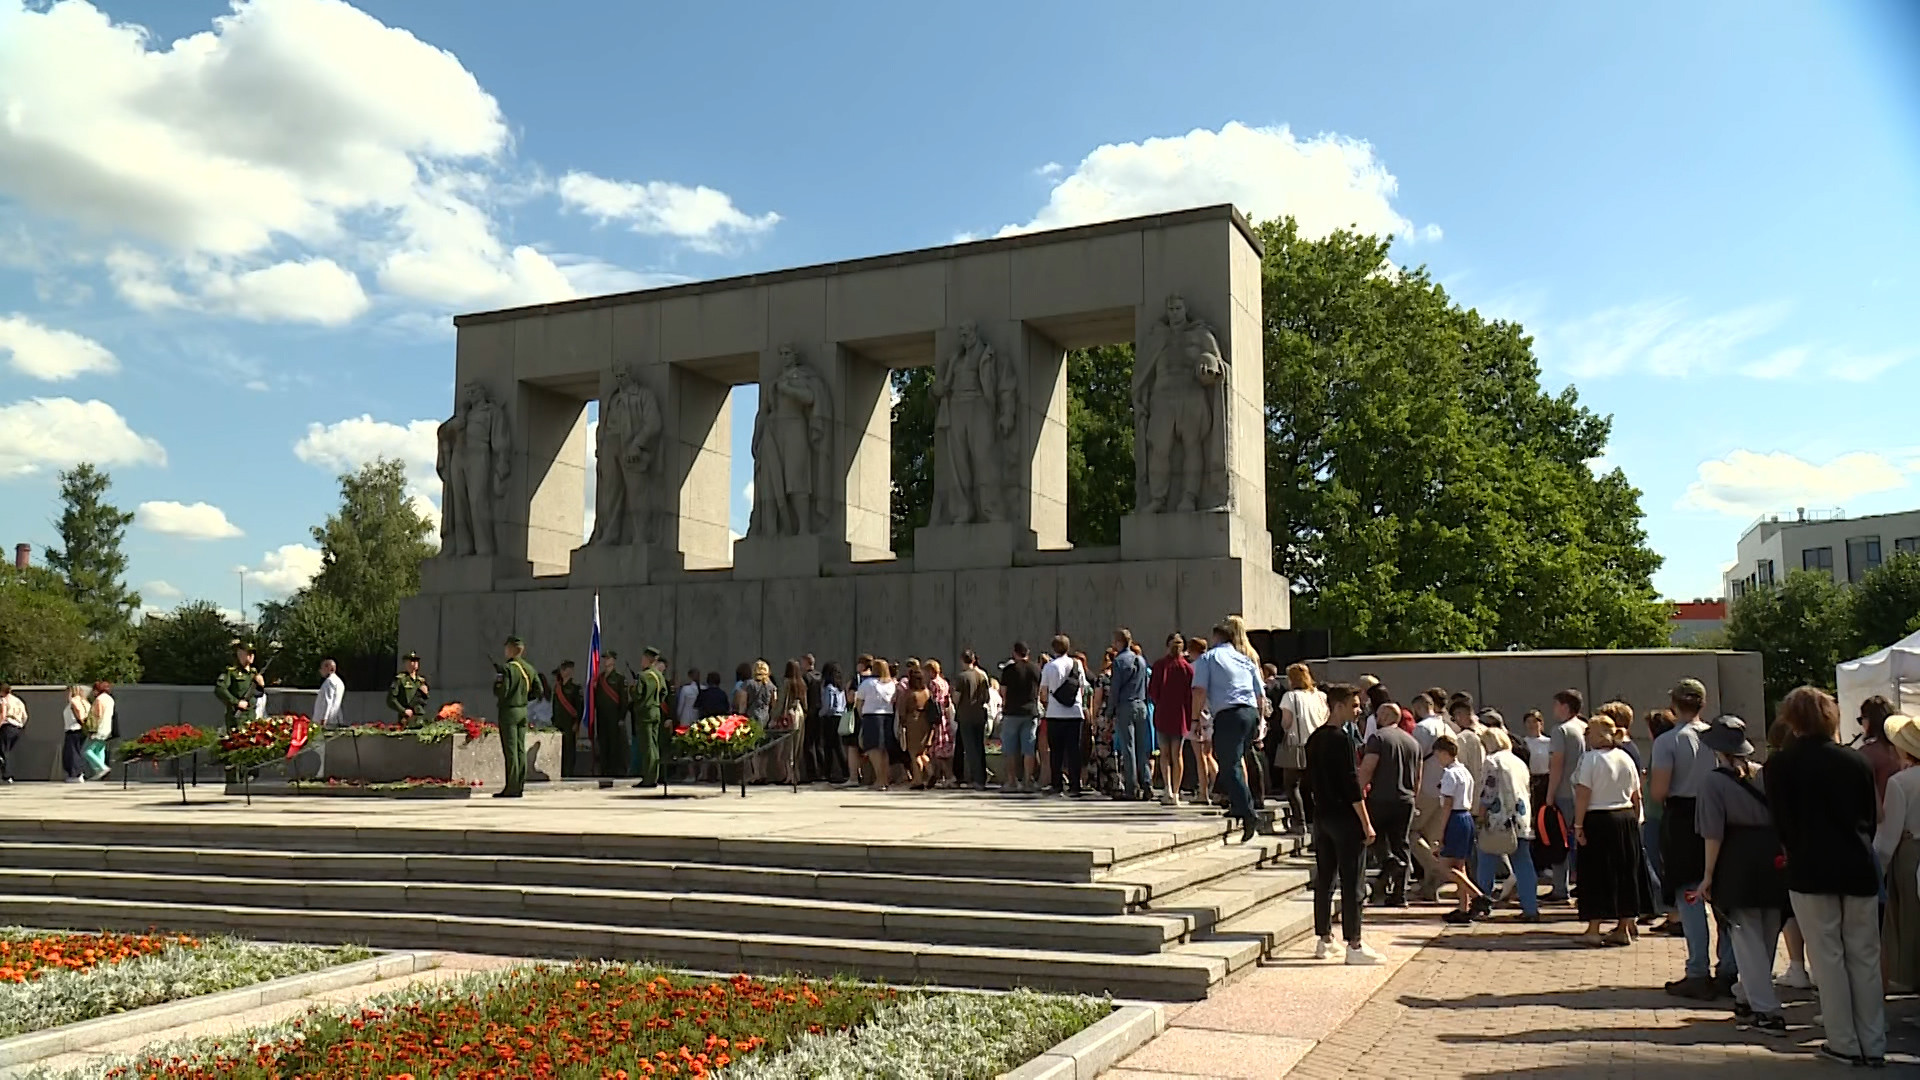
point(90, 559)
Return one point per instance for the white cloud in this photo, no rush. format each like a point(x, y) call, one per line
point(40, 433)
point(1658, 337)
point(747, 493)
point(348, 444)
point(314, 290)
point(258, 169)
point(159, 590)
point(284, 570)
point(706, 219)
point(593, 479)
point(194, 521)
point(1326, 182)
point(1050, 170)
point(53, 355)
point(1746, 484)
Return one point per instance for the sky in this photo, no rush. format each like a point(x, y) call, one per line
point(232, 236)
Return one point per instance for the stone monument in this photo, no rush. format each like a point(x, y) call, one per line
point(816, 570)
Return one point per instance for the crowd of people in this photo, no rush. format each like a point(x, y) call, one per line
point(1820, 849)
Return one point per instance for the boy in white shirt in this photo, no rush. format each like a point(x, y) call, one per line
point(1456, 800)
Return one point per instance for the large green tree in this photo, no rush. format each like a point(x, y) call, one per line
point(1423, 491)
point(94, 568)
point(43, 633)
point(371, 549)
point(1886, 604)
point(188, 646)
point(1801, 629)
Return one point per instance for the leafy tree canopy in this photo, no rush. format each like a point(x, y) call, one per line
point(189, 646)
point(89, 558)
point(44, 639)
point(1801, 629)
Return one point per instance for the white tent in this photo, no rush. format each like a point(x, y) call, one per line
point(1893, 672)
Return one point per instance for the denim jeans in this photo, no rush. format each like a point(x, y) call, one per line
point(1650, 845)
point(1526, 882)
point(1133, 746)
point(1233, 729)
point(1693, 919)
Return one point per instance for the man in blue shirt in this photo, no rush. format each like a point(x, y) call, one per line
point(1126, 702)
point(1227, 682)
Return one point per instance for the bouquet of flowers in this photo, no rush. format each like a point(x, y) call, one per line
point(455, 715)
point(452, 720)
point(259, 742)
point(717, 737)
point(170, 741)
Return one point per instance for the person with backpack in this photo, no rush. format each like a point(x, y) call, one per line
point(1744, 878)
point(1064, 682)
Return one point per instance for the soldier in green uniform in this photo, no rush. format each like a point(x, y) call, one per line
point(407, 697)
point(567, 706)
point(511, 687)
point(236, 688)
point(649, 697)
point(610, 699)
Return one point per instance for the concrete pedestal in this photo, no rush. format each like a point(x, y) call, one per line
point(470, 573)
point(620, 564)
point(1204, 534)
point(386, 759)
point(761, 558)
point(986, 546)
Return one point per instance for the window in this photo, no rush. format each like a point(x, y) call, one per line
point(1739, 589)
point(1907, 543)
point(1863, 554)
point(1817, 559)
point(1764, 573)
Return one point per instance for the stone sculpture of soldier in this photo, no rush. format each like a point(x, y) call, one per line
point(792, 451)
point(978, 395)
point(626, 449)
point(1179, 400)
point(474, 456)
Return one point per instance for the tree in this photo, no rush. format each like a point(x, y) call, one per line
point(911, 502)
point(1099, 443)
point(43, 633)
point(190, 646)
point(1886, 604)
point(1800, 629)
point(91, 560)
point(370, 555)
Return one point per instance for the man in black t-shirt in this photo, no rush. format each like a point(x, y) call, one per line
point(1019, 721)
point(1390, 771)
point(1342, 828)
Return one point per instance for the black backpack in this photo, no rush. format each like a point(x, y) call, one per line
point(1067, 694)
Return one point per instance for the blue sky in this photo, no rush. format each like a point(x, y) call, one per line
point(229, 245)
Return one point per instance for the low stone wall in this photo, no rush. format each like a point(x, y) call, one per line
point(386, 759)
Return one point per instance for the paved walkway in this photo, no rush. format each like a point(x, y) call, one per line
point(1492, 1000)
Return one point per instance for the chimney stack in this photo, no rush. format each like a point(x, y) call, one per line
point(1800, 513)
point(22, 556)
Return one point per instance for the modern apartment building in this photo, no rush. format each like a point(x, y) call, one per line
point(1825, 540)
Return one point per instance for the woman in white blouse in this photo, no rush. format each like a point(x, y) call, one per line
point(1607, 828)
point(874, 698)
point(99, 730)
point(1897, 843)
point(75, 720)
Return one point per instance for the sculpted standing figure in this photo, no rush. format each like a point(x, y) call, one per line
point(626, 446)
point(1179, 399)
point(475, 454)
point(792, 451)
point(978, 395)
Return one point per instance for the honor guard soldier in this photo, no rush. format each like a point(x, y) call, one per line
point(649, 699)
point(514, 683)
point(237, 686)
point(610, 699)
point(567, 708)
point(407, 697)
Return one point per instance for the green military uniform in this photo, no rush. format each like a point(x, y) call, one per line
point(235, 688)
point(567, 709)
point(649, 696)
point(408, 692)
point(610, 699)
point(511, 689)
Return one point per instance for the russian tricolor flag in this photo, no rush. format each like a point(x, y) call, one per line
point(593, 663)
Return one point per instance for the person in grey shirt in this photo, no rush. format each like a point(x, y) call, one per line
point(1126, 702)
point(1569, 742)
point(1742, 877)
point(1681, 765)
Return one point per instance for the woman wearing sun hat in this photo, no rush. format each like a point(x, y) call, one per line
point(1897, 843)
point(1745, 878)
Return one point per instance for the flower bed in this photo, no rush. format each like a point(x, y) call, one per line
point(717, 737)
point(259, 742)
point(416, 787)
point(171, 741)
point(66, 978)
point(580, 1020)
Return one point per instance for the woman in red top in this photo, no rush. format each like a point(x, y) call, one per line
point(1170, 688)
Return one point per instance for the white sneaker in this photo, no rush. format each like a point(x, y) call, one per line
point(1169, 799)
point(1323, 949)
point(1796, 977)
point(1360, 955)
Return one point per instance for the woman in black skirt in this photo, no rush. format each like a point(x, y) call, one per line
point(1607, 828)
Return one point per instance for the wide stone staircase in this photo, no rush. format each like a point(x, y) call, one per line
point(1166, 925)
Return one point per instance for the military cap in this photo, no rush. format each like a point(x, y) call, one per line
point(1691, 687)
point(242, 646)
point(651, 653)
point(514, 639)
point(609, 655)
point(414, 656)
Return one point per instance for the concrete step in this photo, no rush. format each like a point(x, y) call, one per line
point(1180, 834)
point(837, 886)
point(1181, 974)
point(694, 911)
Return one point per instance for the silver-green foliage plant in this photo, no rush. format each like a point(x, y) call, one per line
point(959, 1036)
point(61, 996)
